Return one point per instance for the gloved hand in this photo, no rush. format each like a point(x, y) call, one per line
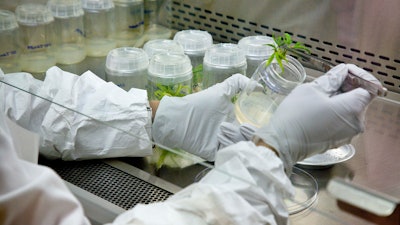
point(314, 117)
point(231, 133)
point(191, 122)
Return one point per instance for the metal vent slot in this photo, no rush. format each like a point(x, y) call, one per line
point(227, 28)
point(110, 183)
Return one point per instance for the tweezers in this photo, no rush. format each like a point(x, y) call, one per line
point(352, 81)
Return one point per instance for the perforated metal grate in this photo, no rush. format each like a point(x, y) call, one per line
point(228, 28)
point(109, 183)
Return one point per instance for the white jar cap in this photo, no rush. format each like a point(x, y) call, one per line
point(127, 60)
point(97, 4)
point(256, 45)
point(225, 54)
point(170, 65)
point(65, 8)
point(157, 46)
point(194, 41)
point(31, 14)
point(8, 21)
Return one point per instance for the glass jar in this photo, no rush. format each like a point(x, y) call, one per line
point(266, 89)
point(36, 25)
point(69, 43)
point(99, 24)
point(195, 43)
point(222, 61)
point(129, 22)
point(256, 50)
point(10, 42)
point(127, 67)
point(169, 74)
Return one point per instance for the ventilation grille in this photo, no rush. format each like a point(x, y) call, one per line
point(227, 28)
point(110, 183)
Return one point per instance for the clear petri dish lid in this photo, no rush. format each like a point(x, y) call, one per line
point(329, 158)
point(225, 54)
point(256, 46)
point(170, 65)
point(97, 4)
point(31, 14)
point(65, 8)
point(306, 191)
point(8, 21)
point(157, 46)
point(127, 59)
point(194, 41)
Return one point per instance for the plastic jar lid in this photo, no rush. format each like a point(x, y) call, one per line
point(127, 60)
point(33, 14)
point(97, 4)
point(194, 41)
point(65, 8)
point(170, 65)
point(8, 21)
point(157, 46)
point(256, 45)
point(225, 54)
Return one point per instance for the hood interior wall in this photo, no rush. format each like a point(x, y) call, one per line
point(336, 31)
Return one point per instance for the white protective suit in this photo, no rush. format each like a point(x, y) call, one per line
point(255, 198)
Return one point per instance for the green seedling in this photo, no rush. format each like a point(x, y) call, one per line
point(282, 45)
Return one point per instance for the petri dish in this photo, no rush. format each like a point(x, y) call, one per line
point(328, 158)
point(306, 191)
point(305, 185)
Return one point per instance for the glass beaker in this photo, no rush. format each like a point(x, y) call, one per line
point(129, 22)
point(36, 25)
point(10, 42)
point(69, 43)
point(266, 89)
point(169, 74)
point(256, 50)
point(99, 24)
point(222, 61)
point(127, 67)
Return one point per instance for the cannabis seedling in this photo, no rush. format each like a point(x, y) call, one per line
point(282, 45)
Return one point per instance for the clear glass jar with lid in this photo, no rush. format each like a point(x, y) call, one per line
point(70, 41)
point(256, 50)
point(169, 74)
point(266, 89)
point(99, 23)
point(222, 61)
point(129, 22)
point(127, 67)
point(10, 48)
point(36, 24)
point(195, 43)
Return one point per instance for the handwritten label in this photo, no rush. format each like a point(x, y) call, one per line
point(10, 53)
point(32, 47)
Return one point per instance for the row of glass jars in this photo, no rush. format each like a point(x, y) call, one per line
point(36, 37)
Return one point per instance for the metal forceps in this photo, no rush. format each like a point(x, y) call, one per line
point(352, 81)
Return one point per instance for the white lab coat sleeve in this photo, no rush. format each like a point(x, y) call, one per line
point(83, 117)
point(32, 194)
point(248, 186)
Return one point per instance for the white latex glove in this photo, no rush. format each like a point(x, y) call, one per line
point(191, 122)
point(231, 133)
point(311, 119)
